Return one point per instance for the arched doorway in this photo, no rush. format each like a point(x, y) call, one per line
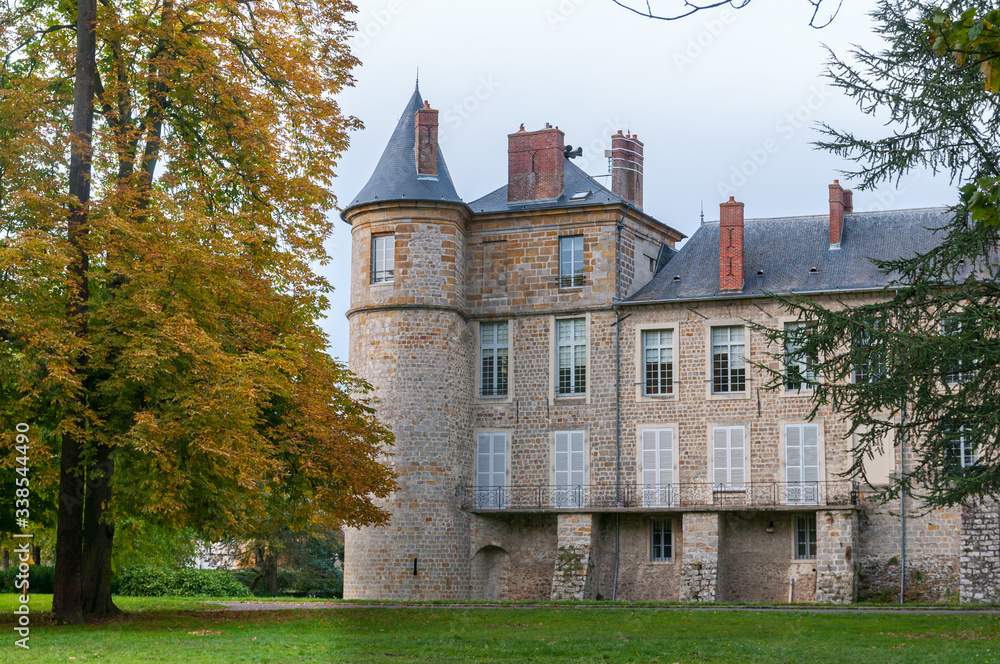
point(489, 573)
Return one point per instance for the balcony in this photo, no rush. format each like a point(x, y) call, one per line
point(683, 497)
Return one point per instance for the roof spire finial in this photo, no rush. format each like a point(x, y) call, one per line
point(418, 79)
point(703, 213)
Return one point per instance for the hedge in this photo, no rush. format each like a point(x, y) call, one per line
point(41, 579)
point(146, 581)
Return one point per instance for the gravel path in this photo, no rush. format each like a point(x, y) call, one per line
point(289, 606)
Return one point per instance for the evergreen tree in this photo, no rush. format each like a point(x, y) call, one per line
point(921, 368)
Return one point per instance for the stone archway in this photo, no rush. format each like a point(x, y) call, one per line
point(489, 573)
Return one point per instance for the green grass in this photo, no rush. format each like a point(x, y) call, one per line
point(168, 630)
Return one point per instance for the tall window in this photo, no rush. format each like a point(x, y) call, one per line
point(956, 369)
point(805, 537)
point(661, 540)
point(571, 261)
point(658, 361)
point(728, 370)
point(493, 340)
point(570, 470)
point(491, 470)
point(867, 354)
point(729, 458)
point(383, 257)
point(798, 367)
point(961, 451)
point(802, 464)
point(571, 355)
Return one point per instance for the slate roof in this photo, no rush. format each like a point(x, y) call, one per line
point(395, 177)
point(786, 250)
point(574, 180)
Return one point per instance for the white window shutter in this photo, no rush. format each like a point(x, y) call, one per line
point(483, 459)
point(562, 459)
point(810, 453)
point(720, 445)
point(793, 453)
point(499, 459)
point(666, 456)
point(649, 466)
point(578, 460)
point(737, 457)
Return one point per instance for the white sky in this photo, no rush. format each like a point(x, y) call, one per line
point(723, 100)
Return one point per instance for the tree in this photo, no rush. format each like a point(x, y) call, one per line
point(160, 333)
point(673, 10)
point(928, 355)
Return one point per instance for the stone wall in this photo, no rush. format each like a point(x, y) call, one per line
point(531, 543)
point(933, 549)
point(572, 576)
point(980, 581)
point(836, 540)
point(700, 566)
point(759, 566)
point(639, 578)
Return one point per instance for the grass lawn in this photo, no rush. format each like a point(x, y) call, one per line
point(173, 630)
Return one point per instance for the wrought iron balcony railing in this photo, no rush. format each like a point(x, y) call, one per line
point(646, 496)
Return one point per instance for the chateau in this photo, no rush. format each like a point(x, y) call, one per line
point(573, 411)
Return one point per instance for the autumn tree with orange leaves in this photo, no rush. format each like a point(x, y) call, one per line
point(165, 173)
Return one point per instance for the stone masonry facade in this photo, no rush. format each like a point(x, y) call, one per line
point(616, 529)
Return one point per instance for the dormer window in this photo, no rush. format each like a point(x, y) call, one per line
point(571, 261)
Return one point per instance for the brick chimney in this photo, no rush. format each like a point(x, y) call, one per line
point(841, 201)
point(626, 168)
point(535, 164)
point(425, 146)
point(731, 246)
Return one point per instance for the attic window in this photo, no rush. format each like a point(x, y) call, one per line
point(813, 270)
point(881, 268)
point(581, 196)
point(677, 278)
point(760, 273)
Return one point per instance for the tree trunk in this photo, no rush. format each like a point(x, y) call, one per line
point(6, 559)
point(271, 569)
point(67, 598)
point(36, 554)
point(67, 595)
point(98, 538)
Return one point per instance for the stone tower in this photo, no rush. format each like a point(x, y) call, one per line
point(411, 341)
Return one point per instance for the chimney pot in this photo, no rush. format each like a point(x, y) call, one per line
point(836, 214)
point(731, 246)
point(627, 167)
point(425, 140)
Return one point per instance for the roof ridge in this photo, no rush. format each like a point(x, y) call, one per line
point(805, 217)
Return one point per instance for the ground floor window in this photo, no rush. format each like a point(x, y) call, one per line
point(805, 537)
point(661, 540)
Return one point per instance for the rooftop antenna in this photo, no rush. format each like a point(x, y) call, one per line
point(703, 213)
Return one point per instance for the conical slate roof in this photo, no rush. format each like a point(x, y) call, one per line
point(395, 178)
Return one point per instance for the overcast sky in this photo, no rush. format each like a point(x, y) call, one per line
point(724, 101)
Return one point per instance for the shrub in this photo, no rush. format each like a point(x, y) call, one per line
point(41, 579)
point(144, 581)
